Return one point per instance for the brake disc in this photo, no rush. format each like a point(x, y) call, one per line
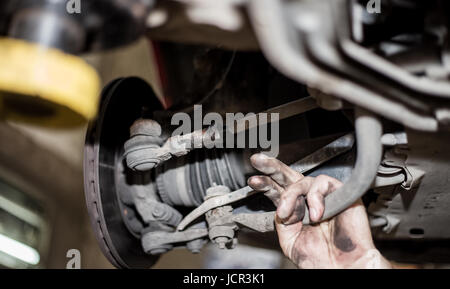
point(123, 101)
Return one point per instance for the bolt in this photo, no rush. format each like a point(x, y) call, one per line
point(195, 245)
point(221, 241)
point(219, 233)
point(158, 212)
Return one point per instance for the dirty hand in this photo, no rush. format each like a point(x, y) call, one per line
point(344, 241)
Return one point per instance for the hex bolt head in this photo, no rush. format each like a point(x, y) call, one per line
point(222, 241)
point(158, 212)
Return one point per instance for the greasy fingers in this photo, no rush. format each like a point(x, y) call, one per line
point(265, 184)
point(277, 170)
point(292, 200)
point(287, 189)
point(298, 212)
point(320, 188)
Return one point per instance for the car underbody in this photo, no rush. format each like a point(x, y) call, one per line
point(362, 92)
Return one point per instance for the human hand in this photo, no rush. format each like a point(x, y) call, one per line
point(344, 241)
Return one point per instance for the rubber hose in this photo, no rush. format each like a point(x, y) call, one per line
point(369, 152)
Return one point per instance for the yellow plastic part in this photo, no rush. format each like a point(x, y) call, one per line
point(45, 85)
